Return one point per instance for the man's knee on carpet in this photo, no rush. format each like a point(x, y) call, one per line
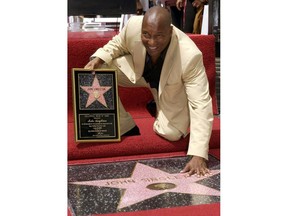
point(168, 132)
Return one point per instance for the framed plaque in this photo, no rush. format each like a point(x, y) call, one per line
point(95, 101)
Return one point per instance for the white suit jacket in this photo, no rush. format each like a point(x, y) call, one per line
point(183, 89)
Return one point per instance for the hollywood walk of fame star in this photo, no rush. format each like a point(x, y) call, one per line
point(147, 182)
point(96, 92)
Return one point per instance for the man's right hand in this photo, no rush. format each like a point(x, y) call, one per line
point(94, 64)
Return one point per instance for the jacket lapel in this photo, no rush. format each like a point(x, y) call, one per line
point(168, 62)
point(139, 58)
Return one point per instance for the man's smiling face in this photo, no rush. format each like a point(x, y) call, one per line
point(155, 35)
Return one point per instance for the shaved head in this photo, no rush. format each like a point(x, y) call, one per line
point(158, 15)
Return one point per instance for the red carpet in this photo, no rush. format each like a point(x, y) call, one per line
point(134, 145)
point(213, 152)
point(197, 210)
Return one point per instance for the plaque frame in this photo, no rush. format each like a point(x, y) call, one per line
point(95, 105)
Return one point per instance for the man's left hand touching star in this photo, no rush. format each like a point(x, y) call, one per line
point(198, 166)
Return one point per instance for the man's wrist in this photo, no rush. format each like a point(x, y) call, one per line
point(191, 156)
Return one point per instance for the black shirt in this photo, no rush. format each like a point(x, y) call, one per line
point(152, 71)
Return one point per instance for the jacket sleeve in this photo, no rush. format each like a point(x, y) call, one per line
point(200, 107)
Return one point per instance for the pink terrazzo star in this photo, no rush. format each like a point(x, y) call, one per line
point(96, 92)
point(138, 186)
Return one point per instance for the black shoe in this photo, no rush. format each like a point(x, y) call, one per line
point(133, 132)
point(151, 107)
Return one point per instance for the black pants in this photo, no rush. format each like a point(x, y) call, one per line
point(176, 17)
point(190, 13)
point(185, 24)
